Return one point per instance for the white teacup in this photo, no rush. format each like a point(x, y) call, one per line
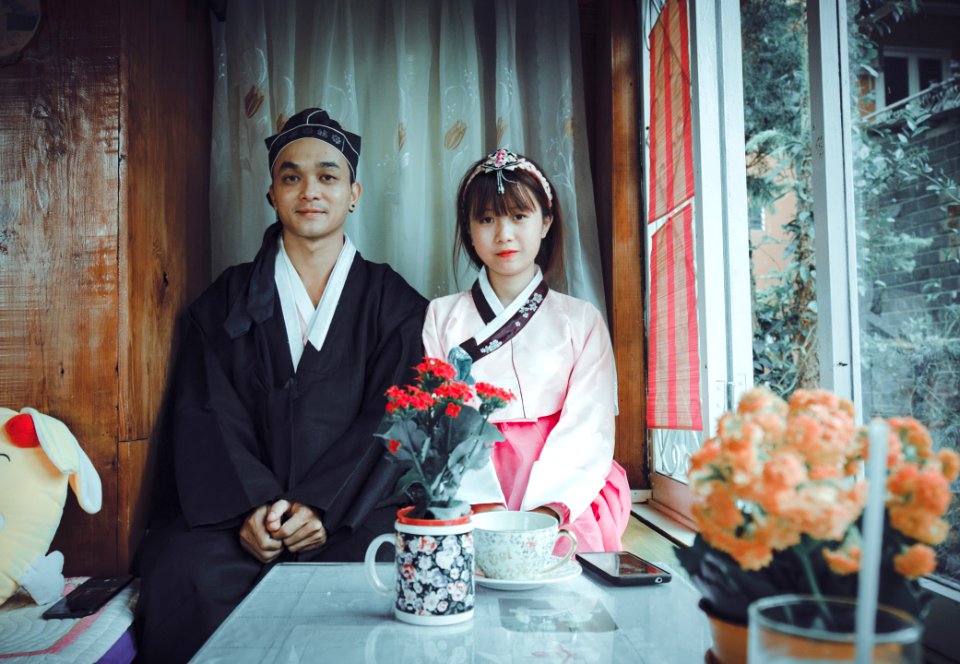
point(517, 545)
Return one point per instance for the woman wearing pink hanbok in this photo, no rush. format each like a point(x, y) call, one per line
point(551, 350)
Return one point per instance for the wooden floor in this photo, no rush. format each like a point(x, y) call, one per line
point(650, 545)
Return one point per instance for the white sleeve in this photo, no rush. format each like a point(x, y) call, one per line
point(576, 458)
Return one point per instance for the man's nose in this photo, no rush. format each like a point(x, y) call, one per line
point(311, 188)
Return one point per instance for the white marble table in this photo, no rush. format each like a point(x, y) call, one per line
point(327, 613)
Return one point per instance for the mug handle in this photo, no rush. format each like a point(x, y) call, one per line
point(563, 532)
point(370, 563)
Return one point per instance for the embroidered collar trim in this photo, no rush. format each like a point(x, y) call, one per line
point(509, 321)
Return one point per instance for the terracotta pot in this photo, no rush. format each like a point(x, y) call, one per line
point(729, 638)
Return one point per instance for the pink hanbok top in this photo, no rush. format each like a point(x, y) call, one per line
point(557, 361)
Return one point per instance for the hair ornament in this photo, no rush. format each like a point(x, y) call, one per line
point(503, 160)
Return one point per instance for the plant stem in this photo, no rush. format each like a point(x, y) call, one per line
point(416, 462)
point(803, 553)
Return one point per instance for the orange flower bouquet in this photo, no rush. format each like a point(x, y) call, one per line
point(780, 495)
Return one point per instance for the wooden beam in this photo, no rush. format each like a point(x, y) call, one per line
point(627, 255)
point(611, 59)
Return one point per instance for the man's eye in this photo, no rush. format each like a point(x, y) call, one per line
point(290, 179)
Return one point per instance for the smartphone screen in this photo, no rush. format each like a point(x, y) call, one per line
point(623, 567)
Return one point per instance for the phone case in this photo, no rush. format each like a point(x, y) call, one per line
point(87, 598)
point(641, 579)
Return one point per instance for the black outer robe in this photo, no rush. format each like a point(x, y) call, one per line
point(246, 430)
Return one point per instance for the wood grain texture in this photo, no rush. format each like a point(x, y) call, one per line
point(611, 61)
point(132, 462)
point(58, 248)
point(164, 227)
point(628, 254)
point(98, 253)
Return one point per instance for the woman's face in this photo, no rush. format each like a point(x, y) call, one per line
point(508, 243)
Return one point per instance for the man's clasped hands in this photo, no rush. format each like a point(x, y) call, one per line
point(270, 529)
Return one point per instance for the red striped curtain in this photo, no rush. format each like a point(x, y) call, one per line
point(673, 385)
point(671, 129)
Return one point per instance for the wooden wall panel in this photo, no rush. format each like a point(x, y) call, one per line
point(59, 134)
point(166, 75)
point(611, 66)
point(104, 153)
point(132, 478)
point(164, 249)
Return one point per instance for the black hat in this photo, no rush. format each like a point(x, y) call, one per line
point(315, 123)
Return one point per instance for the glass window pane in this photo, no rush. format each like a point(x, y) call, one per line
point(907, 164)
point(777, 134)
point(896, 81)
point(930, 71)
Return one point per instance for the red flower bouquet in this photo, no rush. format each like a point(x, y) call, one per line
point(436, 429)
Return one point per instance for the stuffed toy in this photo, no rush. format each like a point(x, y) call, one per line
point(38, 457)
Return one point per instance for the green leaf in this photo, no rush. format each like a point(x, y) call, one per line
point(460, 360)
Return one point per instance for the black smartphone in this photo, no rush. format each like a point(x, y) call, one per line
point(88, 597)
point(624, 568)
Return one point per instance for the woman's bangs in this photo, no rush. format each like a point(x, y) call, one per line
point(485, 197)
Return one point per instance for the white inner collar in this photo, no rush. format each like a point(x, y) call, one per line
point(304, 322)
point(502, 313)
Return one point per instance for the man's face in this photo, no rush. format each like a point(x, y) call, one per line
point(311, 190)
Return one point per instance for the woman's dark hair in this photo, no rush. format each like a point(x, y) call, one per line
point(480, 194)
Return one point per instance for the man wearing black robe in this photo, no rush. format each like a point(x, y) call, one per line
point(269, 448)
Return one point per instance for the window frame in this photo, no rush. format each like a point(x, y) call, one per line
point(912, 56)
point(725, 328)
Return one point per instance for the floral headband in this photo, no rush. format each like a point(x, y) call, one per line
point(505, 160)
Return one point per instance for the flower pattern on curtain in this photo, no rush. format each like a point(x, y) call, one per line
point(430, 87)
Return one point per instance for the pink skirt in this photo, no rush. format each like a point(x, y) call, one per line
point(601, 525)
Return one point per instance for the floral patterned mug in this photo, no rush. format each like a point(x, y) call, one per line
point(519, 545)
point(433, 582)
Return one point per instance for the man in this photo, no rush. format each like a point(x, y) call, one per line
point(278, 388)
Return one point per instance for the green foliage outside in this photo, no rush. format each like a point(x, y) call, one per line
point(913, 366)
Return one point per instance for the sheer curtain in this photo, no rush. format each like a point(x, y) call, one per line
point(430, 87)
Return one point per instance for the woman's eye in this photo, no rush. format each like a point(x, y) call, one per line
point(519, 216)
point(485, 220)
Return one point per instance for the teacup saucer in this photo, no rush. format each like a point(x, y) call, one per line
point(568, 570)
